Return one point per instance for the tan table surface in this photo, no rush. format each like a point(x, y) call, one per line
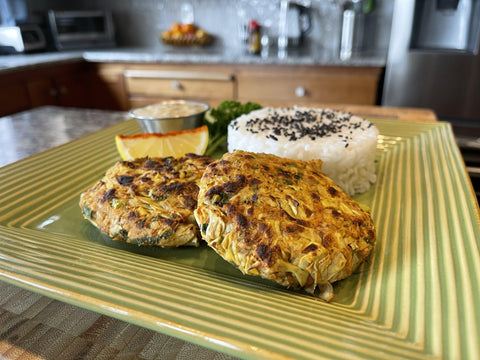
point(403, 114)
point(33, 326)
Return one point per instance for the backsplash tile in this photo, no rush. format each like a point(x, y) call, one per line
point(139, 23)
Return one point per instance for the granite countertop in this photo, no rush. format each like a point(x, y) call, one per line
point(206, 56)
point(29, 132)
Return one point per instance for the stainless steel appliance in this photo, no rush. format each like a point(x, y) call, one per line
point(81, 29)
point(433, 58)
point(295, 22)
point(17, 33)
point(434, 62)
point(22, 38)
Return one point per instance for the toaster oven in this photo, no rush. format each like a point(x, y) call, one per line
point(81, 29)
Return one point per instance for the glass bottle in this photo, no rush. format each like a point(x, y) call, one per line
point(254, 36)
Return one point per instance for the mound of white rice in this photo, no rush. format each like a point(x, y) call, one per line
point(344, 142)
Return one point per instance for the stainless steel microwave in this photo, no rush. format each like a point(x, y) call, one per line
point(81, 29)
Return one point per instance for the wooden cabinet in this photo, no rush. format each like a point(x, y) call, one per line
point(274, 85)
point(41, 91)
point(63, 85)
point(13, 98)
point(73, 89)
point(64, 90)
point(107, 90)
point(121, 86)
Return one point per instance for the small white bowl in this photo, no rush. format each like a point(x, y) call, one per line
point(169, 115)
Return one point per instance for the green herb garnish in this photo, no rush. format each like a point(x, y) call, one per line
point(217, 120)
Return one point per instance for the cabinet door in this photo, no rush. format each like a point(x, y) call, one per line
point(73, 89)
point(14, 97)
point(42, 92)
point(107, 87)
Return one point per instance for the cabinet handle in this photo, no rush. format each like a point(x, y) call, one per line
point(176, 85)
point(52, 92)
point(62, 90)
point(300, 91)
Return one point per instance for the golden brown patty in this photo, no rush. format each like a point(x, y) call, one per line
point(148, 201)
point(283, 220)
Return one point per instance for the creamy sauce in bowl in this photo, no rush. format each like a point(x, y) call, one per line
point(169, 110)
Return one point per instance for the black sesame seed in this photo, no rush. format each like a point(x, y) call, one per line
point(305, 124)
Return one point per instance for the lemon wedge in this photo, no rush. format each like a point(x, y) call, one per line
point(175, 143)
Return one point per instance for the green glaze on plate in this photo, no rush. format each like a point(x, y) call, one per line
point(417, 298)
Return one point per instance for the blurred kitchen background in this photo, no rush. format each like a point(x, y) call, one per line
point(138, 23)
point(427, 50)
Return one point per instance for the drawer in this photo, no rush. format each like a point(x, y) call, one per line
point(179, 84)
point(331, 85)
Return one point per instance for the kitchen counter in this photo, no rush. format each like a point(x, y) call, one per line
point(21, 61)
point(30, 132)
point(195, 55)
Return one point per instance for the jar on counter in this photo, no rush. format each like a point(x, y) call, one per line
point(254, 37)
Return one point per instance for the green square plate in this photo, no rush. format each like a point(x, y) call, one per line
point(417, 298)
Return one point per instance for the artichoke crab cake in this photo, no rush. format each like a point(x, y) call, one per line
point(283, 220)
point(148, 201)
